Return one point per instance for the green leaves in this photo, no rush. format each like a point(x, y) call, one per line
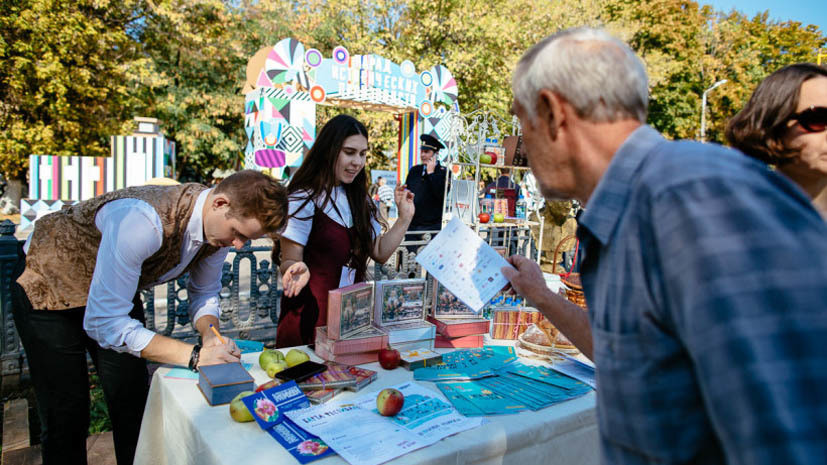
point(72, 73)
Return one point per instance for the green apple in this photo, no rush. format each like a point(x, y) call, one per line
point(296, 356)
point(238, 410)
point(269, 356)
point(274, 367)
point(499, 217)
point(485, 158)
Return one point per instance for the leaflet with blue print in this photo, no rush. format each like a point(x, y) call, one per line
point(360, 435)
point(269, 408)
point(466, 364)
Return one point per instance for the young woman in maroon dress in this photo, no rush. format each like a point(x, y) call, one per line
point(334, 227)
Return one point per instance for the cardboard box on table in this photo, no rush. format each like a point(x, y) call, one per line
point(221, 383)
point(370, 340)
point(399, 309)
point(350, 336)
point(453, 328)
point(349, 310)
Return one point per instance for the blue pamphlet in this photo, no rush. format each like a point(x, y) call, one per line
point(268, 409)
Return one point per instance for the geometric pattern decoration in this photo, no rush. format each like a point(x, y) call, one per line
point(291, 140)
point(32, 209)
point(285, 81)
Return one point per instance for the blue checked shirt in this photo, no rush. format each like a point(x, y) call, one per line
point(706, 279)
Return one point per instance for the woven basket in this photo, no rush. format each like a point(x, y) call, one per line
point(574, 288)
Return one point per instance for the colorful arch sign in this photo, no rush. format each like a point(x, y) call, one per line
point(286, 81)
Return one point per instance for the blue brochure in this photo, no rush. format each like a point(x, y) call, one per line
point(268, 409)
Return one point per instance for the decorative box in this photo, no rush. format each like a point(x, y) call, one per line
point(346, 359)
point(370, 339)
point(470, 341)
point(414, 345)
point(456, 328)
point(349, 310)
point(221, 383)
point(410, 332)
point(413, 359)
point(447, 306)
point(399, 302)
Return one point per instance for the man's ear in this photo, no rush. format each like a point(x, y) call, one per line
point(550, 111)
point(220, 200)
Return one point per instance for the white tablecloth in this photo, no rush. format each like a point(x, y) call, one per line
point(179, 427)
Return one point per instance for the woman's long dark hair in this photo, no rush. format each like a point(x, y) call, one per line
point(317, 177)
point(759, 128)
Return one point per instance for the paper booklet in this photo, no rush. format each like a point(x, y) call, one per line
point(465, 264)
point(360, 435)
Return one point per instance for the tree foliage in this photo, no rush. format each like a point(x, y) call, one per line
point(74, 72)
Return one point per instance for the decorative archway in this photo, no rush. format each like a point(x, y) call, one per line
point(285, 82)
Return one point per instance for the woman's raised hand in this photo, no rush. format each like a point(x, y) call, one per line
point(295, 278)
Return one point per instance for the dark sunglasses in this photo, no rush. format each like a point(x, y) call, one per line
point(813, 119)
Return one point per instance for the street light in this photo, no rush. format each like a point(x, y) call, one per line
point(703, 107)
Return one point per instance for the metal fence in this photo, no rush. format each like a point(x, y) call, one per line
point(250, 291)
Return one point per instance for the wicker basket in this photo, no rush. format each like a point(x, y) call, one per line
point(574, 288)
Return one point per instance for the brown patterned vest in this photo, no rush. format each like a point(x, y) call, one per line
point(64, 245)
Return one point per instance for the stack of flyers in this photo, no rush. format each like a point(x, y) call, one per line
point(516, 387)
point(576, 369)
point(467, 365)
point(413, 359)
point(269, 407)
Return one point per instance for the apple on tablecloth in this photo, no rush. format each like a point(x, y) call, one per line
point(389, 402)
point(389, 358)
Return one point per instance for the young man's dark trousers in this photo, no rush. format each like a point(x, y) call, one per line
point(56, 347)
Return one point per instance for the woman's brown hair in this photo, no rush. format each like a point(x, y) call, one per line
point(759, 128)
point(316, 177)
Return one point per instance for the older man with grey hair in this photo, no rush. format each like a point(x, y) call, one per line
point(705, 273)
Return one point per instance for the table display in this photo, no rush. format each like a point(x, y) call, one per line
point(206, 435)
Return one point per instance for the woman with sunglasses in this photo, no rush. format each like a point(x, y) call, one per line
point(784, 124)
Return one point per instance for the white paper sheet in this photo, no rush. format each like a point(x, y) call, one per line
point(465, 264)
point(361, 435)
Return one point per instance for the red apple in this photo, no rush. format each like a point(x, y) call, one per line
point(389, 358)
point(484, 217)
point(389, 402)
point(493, 157)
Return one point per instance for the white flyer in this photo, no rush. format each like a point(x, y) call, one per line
point(360, 435)
point(465, 264)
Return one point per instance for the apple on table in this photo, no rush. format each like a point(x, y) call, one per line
point(389, 358)
point(389, 402)
point(484, 217)
point(238, 411)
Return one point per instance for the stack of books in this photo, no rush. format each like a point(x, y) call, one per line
point(456, 324)
point(399, 310)
point(350, 336)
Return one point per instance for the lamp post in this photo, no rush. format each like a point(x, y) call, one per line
point(703, 108)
